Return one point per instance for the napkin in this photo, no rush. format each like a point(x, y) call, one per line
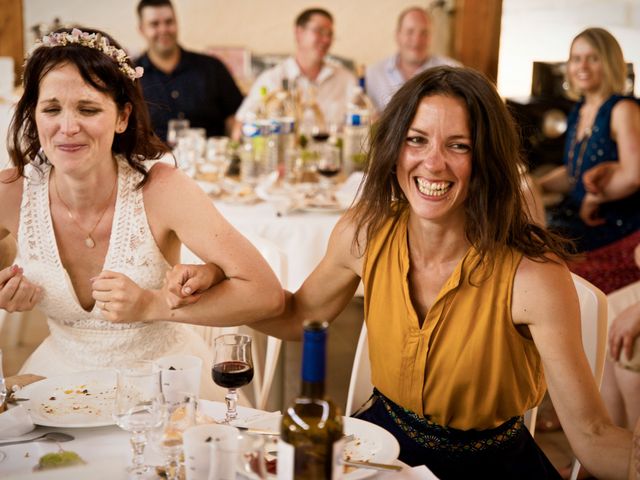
point(15, 422)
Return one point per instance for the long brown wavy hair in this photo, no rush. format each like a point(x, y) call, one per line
point(495, 211)
point(136, 144)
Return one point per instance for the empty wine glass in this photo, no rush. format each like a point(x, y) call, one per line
point(3, 386)
point(138, 408)
point(175, 128)
point(176, 417)
point(3, 397)
point(232, 367)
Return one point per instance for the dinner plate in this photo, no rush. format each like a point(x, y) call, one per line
point(83, 399)
point(322, 209)
point(372, 443)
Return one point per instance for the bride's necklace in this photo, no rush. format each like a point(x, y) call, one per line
point(89, 242)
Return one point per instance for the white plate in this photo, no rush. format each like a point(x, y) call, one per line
point(372, 443)
point(83, 399)
point(319, 209)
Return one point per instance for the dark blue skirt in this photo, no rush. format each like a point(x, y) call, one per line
point(506, 452)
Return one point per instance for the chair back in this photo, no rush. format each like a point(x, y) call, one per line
point(265, 348)
point(360, 385)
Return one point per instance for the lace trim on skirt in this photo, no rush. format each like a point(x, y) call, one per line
point(450, 440)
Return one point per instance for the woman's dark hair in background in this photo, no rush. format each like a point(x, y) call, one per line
point(136, 144)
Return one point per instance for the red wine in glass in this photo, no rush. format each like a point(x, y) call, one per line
point(232, 374)
point(232, 367)
point(328, 171)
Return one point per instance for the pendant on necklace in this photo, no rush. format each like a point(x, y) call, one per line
point(89, 243)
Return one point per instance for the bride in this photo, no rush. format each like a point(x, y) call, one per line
point(98, 224)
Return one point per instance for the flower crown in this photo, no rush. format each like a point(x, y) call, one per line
point(96, 41)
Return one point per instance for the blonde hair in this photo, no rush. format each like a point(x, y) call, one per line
point(610, 53)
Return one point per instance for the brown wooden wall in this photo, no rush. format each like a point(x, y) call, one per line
point(12, 33)
point(476, 34)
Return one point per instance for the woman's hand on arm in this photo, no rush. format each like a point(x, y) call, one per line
point(178, 210)
point(184, 284)
point(327, 290)
point(545, 300)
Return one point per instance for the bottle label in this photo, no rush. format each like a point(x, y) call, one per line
point(286, 458)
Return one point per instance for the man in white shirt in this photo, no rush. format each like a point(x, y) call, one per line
point(413, 36)
point(307, 68)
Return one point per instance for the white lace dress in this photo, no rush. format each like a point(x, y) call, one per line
point(81, 340)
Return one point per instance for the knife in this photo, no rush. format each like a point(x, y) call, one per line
point(385, 467)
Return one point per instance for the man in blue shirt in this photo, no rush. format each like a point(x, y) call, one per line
point(182, 84)
point(413, 36)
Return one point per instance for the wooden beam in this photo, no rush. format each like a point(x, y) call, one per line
point(12, 34)
point(476, 35)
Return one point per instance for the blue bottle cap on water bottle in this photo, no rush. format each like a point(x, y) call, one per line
point(314, 351)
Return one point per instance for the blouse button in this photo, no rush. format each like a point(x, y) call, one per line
point(175, 94)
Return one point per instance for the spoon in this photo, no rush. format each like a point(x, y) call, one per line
point(46, 437)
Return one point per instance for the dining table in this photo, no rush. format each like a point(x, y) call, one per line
point(106, 451)
point(301, 235)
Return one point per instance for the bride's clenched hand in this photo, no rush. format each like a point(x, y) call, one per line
point(17, 294)
point(122, 300)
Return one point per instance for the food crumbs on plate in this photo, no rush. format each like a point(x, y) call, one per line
point(52, 398)
point(172, 368)
point(68, 391)
point(208, 439)
point(26, 455)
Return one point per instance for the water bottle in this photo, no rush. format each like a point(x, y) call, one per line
point(356, 130)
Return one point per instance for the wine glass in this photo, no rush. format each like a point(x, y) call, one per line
point(3, 397)
point(175, 129)
point(138, 407)
point(167, 437)
point(232, 367)
point(328, 164)
point(3, 386)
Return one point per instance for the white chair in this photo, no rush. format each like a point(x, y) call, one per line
point(360, 386)
point(263, 346)
point(593, 315)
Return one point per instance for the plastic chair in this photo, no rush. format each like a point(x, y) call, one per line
point(360, 386)
point(263, 346)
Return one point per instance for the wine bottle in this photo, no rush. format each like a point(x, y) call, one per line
point(310, 445)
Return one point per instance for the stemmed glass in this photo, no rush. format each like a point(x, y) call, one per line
point(138, 407)
point(232, 368)
point(328, 164)
point(3, 397)
point(176, 417)
point(3, 386)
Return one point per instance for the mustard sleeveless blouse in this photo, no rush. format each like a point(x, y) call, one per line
point(467, 367)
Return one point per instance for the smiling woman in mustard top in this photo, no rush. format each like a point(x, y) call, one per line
point(469, 305)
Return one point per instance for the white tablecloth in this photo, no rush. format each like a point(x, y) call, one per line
point(302, 236)
point(107, 453)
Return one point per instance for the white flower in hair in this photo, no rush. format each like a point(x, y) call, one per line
point(95, 41)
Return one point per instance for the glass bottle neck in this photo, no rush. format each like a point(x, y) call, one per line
point(312, 389)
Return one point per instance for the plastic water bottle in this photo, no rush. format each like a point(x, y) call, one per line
point(356, 130)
